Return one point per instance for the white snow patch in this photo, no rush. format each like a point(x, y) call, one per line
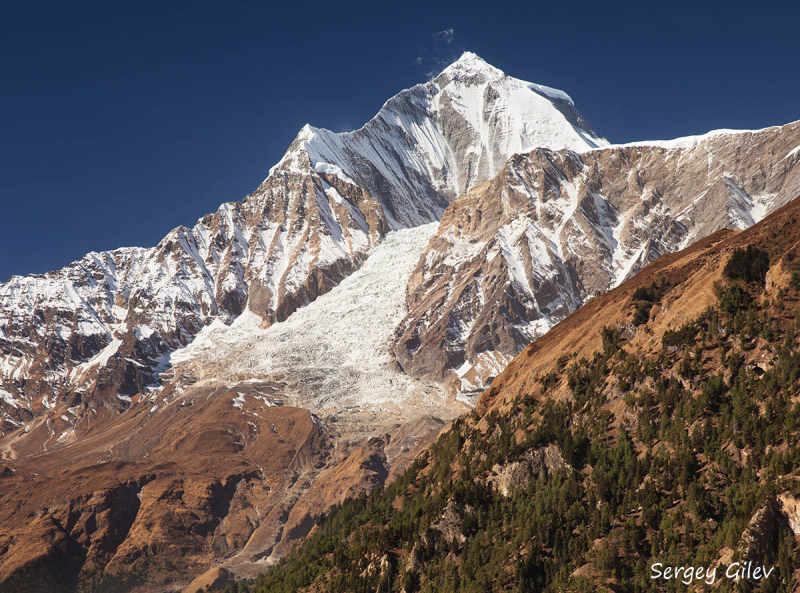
point(143, 332)
point(8, 398)
point(331, 169)
point(247, 320)
point(626, 264)
point(745, 210)
point(10, 420)
point(463, 369)
point(101, 358)
point(508, 238)
point(65, 435)
point(487, 364)
point(550, 92)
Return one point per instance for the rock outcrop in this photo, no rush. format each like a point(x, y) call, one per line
point(790, 507)
point(534, 463)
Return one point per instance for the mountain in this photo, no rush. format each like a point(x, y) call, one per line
point(181, 415)
point(100, 329)
point(659, 423)
point(553, 229)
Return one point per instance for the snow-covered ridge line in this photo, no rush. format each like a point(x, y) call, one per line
point(690, 141)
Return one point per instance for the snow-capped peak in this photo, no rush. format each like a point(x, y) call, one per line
point(471, 64)
point(435, 141)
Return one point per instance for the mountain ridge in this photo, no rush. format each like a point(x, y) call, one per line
point(514, 256)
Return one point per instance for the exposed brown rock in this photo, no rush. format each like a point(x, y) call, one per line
point(152, 498)
point(216, 578)
point(534, 463)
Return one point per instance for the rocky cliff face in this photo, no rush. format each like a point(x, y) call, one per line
point(514, 256)
point(97, 331)
point(516, 475)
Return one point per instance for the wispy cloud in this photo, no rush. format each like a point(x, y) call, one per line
point(437, 54)
point(446, 35)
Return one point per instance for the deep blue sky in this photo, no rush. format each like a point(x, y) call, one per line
point(120, 121)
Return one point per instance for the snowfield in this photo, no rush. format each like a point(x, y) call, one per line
point(334, 352)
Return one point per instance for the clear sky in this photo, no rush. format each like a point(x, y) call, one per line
point(120, 121)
